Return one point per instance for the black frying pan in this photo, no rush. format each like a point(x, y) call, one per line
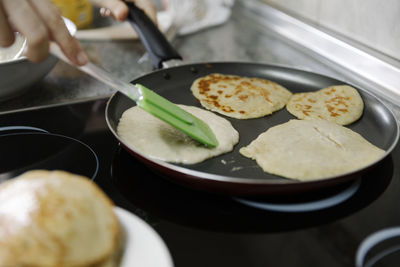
point(232, 173)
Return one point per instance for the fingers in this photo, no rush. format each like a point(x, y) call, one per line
point(6, 34)
point(115, 8)
point(119, 11)
point(58, 32)
point(39, 21)
point(29, 24)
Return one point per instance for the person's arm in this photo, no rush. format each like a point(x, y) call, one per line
point(41, 22)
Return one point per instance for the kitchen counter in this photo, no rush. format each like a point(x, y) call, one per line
point(246, 36)
point(239, 39)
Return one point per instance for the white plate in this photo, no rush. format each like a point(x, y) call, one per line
point(143, 246)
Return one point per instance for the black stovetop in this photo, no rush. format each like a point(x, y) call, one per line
point(199, 228)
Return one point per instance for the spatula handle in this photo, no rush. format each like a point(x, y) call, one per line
point(154, 41)
point(100, 74)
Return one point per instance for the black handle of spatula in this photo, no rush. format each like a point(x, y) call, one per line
point(154, 41)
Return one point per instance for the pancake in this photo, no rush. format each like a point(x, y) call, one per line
point(341, 104)
point(239, 97)
point(311, 149)
point(154, 138)
point(54, 218)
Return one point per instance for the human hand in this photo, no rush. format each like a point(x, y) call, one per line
point(119, 11)
point(41, 22)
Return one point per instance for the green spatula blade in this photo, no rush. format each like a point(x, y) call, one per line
point(175, 116)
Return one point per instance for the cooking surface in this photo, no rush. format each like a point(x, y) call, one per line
point(231, 172)
point(201, 229)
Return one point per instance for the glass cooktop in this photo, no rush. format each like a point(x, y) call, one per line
point(323, 228)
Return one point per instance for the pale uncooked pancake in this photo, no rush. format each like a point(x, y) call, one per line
point(239, 97)
point(341, 104)
point(311, 149)
point(152, 137)
point(55, 219)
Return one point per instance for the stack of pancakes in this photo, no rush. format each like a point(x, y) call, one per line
point(54, 218)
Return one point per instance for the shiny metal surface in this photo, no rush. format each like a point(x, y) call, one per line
point(172, 63)
point(374, 74)
point(254, 33)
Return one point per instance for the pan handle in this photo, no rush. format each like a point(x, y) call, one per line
point(154, 41)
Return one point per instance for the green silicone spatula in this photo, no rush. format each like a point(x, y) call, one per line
point(150, 102)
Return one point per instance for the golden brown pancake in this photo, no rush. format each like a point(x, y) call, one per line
point(341, 104)
point(54, 218)
point(239, 97)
